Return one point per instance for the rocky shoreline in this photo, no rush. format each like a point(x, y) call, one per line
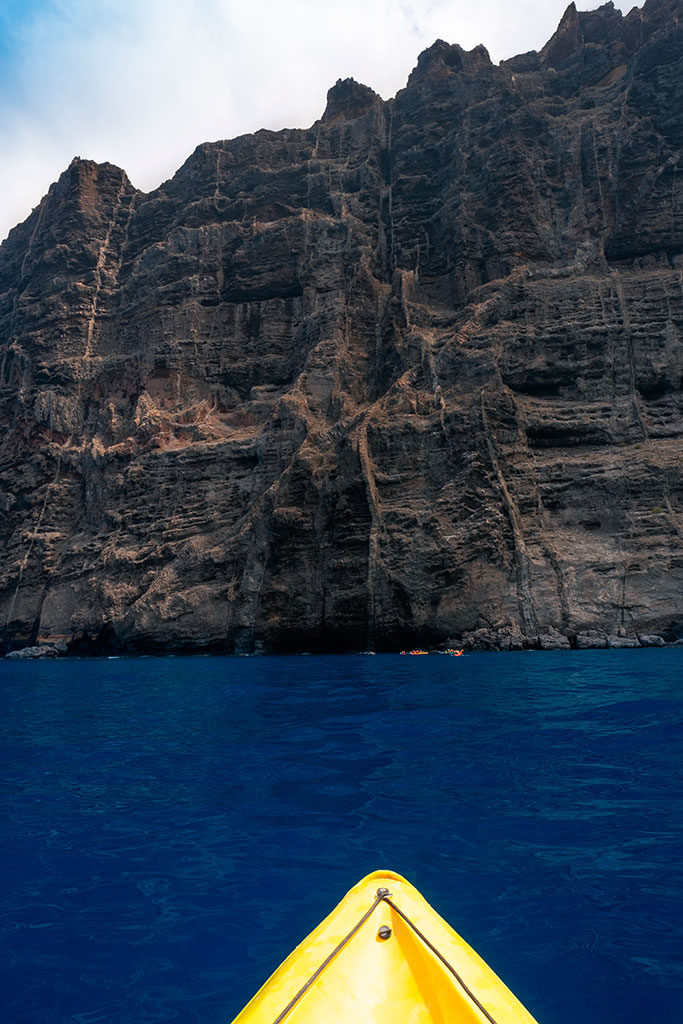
point(480, 640)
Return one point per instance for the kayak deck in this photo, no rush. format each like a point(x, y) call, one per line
point(384, 956)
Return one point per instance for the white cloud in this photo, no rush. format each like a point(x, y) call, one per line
point(142, 82)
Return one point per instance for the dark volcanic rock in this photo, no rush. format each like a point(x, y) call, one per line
point(590, 639)
point(408, 375)
point(29, 653)
point(651, 640)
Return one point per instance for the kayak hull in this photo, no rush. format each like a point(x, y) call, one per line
point(384, 959)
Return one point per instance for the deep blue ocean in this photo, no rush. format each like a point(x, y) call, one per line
point(172, 828)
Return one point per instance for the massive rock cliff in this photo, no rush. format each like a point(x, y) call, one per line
point(409, 375)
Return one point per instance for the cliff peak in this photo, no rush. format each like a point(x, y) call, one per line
point(603, 26)
point(348, 99)
point(442, 58)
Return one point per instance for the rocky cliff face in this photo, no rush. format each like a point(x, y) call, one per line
point(409, 375)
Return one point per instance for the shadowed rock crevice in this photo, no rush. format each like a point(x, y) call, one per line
point(408, 376)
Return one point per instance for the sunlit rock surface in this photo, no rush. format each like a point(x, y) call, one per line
point(407, 376)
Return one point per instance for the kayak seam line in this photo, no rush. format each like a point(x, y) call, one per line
point(338, 948)
point(443, 960)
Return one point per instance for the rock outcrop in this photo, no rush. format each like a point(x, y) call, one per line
point(410, 375)
point(41, 651)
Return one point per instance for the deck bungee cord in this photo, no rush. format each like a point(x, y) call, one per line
point(328, 960)
point(442, 958)
point(382, 895)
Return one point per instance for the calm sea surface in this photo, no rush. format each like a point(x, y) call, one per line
point(171, 828)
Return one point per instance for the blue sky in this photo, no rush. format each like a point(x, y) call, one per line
point(142, 82)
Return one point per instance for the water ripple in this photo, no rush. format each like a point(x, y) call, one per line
point(172, 828)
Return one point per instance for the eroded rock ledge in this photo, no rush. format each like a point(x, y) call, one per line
point(409, 375)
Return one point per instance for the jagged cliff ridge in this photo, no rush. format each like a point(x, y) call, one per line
point(409, 375)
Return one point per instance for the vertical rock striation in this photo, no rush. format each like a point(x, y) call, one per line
point(411, 374)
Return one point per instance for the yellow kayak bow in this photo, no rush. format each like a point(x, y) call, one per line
point(384, 956)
